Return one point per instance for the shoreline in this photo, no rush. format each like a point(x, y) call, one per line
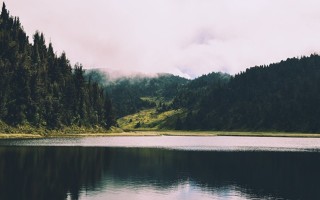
point(141, 133)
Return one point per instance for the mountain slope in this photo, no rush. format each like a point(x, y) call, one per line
point(283, 96)
point(189, 95)
point(132, 94)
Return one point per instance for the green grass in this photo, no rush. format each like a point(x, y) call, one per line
point(28, 131)
point(151, 125)
point(156, 100)
point(157, 133)
point(149, 119)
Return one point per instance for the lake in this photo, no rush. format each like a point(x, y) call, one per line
point(160, 167)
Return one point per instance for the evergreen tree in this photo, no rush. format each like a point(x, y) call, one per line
point(40, 88)
point(4, 14)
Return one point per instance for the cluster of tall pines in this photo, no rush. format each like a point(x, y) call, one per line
point(40, 88)
point(283, 96)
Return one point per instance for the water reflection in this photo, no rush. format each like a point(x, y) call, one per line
point(146, 173)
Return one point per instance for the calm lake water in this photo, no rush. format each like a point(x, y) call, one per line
point(163, 167)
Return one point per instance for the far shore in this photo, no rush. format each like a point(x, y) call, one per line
point(158, 133)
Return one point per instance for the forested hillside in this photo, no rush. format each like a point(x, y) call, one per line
point(40, 88)
point(190, 95)
point(131, 94)
point(283, 96)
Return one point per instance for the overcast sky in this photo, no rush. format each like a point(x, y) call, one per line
point(184, 37)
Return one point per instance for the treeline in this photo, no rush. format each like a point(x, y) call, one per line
point(280, 97)
point(40, 88)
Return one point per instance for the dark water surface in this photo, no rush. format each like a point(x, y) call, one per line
point(158, 168)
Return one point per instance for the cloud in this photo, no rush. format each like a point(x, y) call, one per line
point(184, 37)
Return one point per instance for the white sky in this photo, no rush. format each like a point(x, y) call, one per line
point(184, 37)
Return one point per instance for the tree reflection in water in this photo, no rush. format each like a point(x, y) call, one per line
point(58, 172)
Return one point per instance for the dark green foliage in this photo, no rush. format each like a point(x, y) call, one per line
point(40, 88)
point(138, 125)
point(179, 124)
point(280, 97)
point(190, 95)
point(126, 93)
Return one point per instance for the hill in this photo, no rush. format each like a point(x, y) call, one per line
point(189, 95)
point(283, 96)
point(131, 94)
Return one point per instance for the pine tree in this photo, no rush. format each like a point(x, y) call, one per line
point(4, 13)
point(40, 88)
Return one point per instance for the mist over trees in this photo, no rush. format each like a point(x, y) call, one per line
point(282, 96)
point(127, 92)
point(40, 88)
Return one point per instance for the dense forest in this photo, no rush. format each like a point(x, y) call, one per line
point(283, 96)
point(40, 88)
point(189, 95)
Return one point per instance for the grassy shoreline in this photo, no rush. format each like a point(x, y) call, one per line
point(155, 133)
